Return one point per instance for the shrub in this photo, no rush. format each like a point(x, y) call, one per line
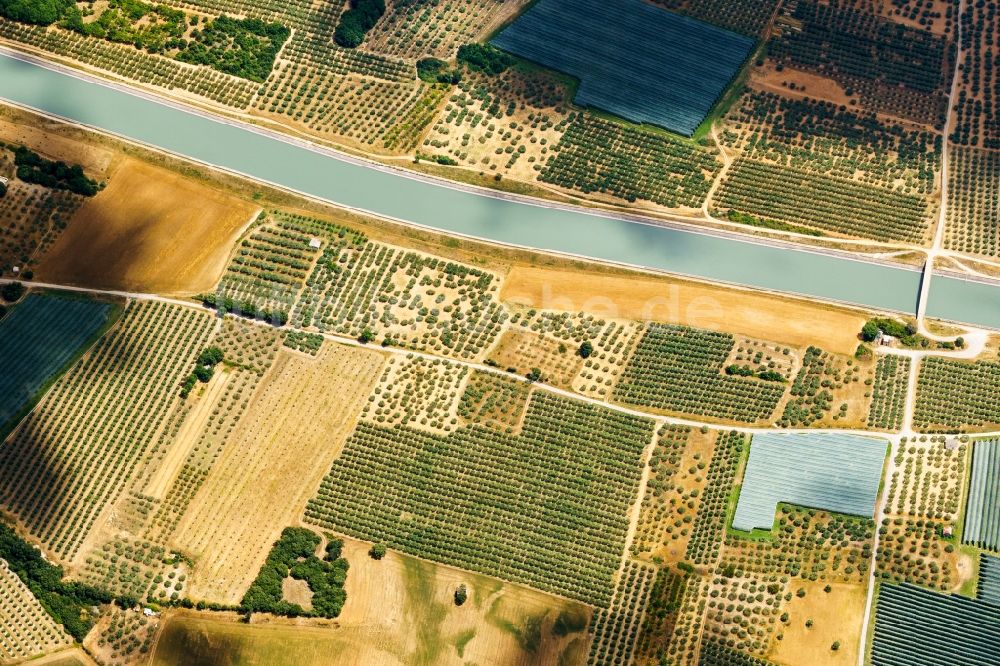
point(12, 291)
point(377, 551)
point(432, 70)
point(484, 58)
point(33, 168)
point(357, 21)
point(40, 12)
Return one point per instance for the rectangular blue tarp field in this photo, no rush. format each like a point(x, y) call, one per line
point(634, 60)
point(37, 338)
point(832, 471)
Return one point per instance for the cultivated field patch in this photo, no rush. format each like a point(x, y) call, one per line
point(616, 628)
point(680, 369)
point(892, 68)
point(73, 456)
point(295, 426)
point(655, 67)
point(941, 379)
point(371, 290)
point(26, 630)
point(618, 160)
point(926, 480)
point(982, 513)
point(678, 474)
point(150, 230)
point(38, 339)
point(805, 164)
point(547, 507)
point(917, 627)
point(829, 390)
point(836, 472)
point(888, 392)
point(973, 223)
point(807, 544)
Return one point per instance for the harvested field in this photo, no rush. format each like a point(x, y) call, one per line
point(150, 230)
point(753, 314)
point(296, 424)
point(399, 610)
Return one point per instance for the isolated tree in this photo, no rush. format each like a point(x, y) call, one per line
point(870, 331)
point(461, 594)
point(586, 349)
point(377, 551)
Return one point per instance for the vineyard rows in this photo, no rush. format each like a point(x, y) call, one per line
point(540, 508)
point(413, 300)
point(615, 629)
point(889, 392)
point(941, 380)
point(838, 205)
point(973, 223)
point(76, 452)
point(629, 163)
point(709, 529)
point(679, 369)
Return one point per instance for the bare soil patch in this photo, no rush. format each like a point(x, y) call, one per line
point(150, 230)
point(753, 314)
point(836, 617)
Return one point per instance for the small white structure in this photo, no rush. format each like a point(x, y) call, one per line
point(16, 269)
point(148, 612)
point(947, 531)
point(315, 243)
point(952, 443)
point(4, 181)
point(886, 340)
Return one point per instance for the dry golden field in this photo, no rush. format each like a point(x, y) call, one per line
point(150, 230)
point(399, 610)
point(754, 314)
point(295, 426)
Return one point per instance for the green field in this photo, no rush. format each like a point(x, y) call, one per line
point(546, 508)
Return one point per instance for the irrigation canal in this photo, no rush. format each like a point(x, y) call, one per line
point(392, 193)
